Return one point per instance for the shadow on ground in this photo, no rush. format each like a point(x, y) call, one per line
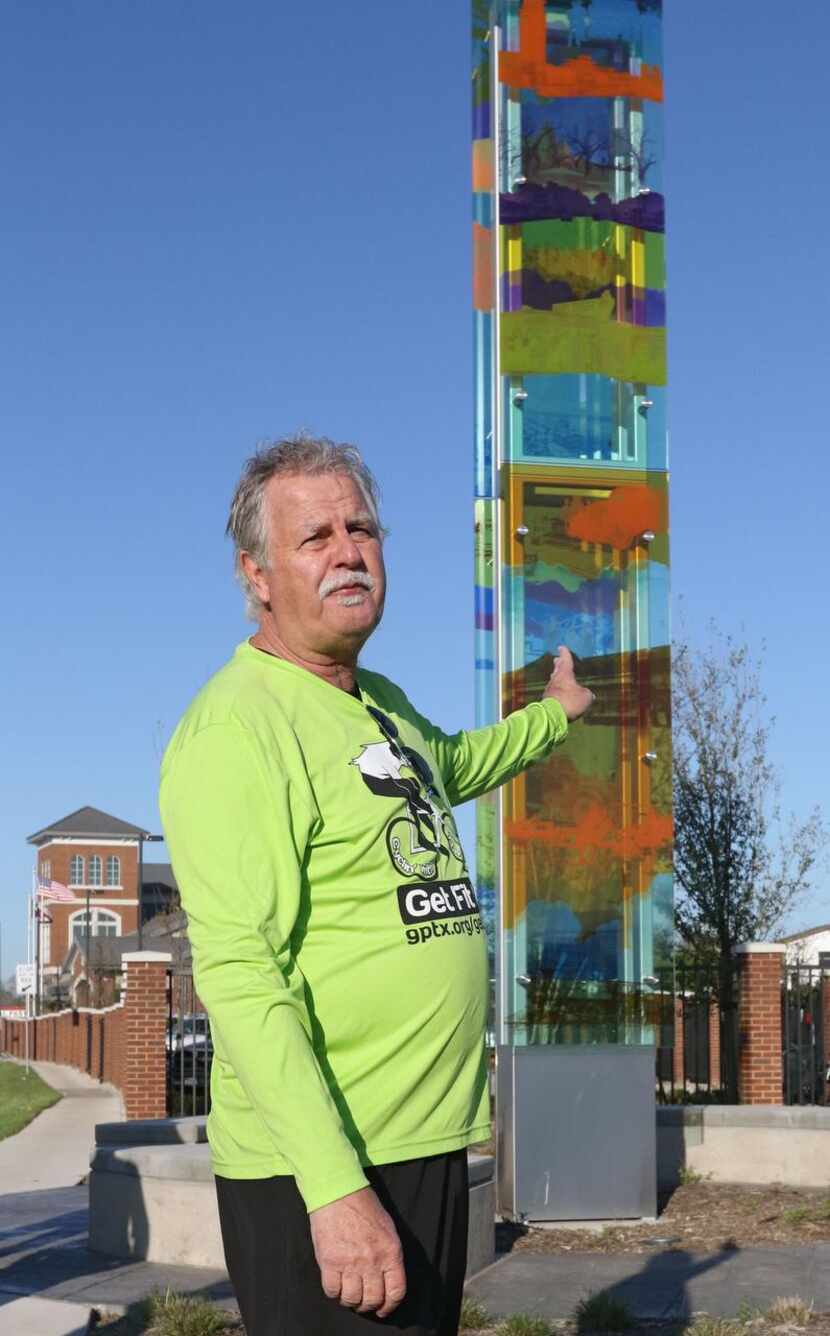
point(657, 1287)
point(44, 1252)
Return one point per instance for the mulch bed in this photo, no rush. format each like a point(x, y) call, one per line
point(700, 1217)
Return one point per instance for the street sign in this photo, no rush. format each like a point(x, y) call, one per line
point(24, 978)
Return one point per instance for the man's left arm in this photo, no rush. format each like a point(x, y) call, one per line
point(474, 762)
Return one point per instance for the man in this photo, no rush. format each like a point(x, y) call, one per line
point(337, 942)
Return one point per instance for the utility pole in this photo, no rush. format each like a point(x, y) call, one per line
point(150, 839)
point(141, 892)
point(27, 992)
point(88, 935)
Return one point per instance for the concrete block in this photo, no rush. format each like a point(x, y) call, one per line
point(481, 1240)
point(157, 1203)
point(155, 1219)
point(754, 1144)
point(151, 1132)
point(189, 1164)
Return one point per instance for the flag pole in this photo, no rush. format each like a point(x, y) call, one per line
point(41, 962)
point(37, 957)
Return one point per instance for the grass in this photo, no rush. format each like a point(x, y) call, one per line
point(688, 1176)
point(174, 1314)
point(792, 1310)
point(524, 1325)
point(170, 1314)
point(474, 1317)
point(179, 1315)
point(603, 1312)
point(22, 1097)
point(715, 1326)
point(796, 1215)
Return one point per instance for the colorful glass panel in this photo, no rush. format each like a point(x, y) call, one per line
point(571, 522)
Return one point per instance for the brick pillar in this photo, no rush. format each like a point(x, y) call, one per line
point(761, 1071)
point(144, 1034)
point(714, 1044)
point(679, 1053)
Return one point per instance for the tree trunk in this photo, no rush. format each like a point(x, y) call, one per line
point(728, 1003)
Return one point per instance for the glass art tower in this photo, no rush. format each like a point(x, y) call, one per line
point(574, 859)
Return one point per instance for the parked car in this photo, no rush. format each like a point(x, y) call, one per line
point(189, 1049)
point(189, 1033)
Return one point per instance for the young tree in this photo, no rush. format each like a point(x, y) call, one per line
point(740, 867)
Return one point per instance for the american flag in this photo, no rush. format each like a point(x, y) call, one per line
point(53, 890)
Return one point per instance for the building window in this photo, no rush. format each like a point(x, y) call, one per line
point(94, 870)
point(46, 870)
point(76, 870)
point(113, 871)
point(102, 924)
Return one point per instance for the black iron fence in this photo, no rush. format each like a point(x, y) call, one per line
point(804, 1050)
point(189, 1049)
point(692, 1010)
point(697, 1053)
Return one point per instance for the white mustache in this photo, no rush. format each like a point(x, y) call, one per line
point(332, 583)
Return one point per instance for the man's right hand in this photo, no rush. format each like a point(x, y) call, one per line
point(359, 1253)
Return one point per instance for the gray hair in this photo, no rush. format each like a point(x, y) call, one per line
point(301, 454)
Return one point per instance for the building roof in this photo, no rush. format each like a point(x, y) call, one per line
point(165, 932)
point(805, 932)
point(89, 822)
point(158, 874)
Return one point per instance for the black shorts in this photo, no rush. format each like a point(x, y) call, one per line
point(271, 1262)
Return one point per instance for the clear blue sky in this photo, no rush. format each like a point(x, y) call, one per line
point(223, 222)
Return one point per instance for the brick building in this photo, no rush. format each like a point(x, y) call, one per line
point(97, 856)
point(92, 974)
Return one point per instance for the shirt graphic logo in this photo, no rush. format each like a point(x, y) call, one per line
point(390, 769)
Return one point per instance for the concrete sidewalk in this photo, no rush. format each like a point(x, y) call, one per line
point(49, 1278)
point(45, 1317)
point(44, 1253)
point(662, 1285)
point(49, 1156)
point(53, 1151)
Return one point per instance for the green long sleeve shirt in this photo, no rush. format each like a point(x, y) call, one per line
point(337, 941)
